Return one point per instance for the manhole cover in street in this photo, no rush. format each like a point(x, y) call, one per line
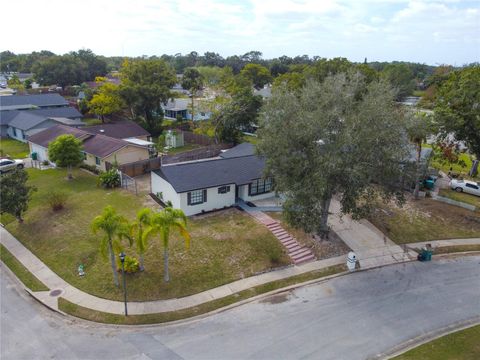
point(55, 292)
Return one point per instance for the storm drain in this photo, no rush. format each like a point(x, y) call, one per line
point(55, 292)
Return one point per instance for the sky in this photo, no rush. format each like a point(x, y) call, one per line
point(432, 32)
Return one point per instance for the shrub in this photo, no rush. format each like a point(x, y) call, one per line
point(110, 179)
point(91, 168)
point(274, 255)
point(56, 200)
point(45, 163)
point(131, 265)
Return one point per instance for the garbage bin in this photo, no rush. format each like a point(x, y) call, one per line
point(34, 156)
point(351, 261)
point(425, 254)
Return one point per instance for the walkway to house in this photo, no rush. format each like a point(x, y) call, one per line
point(298, 253)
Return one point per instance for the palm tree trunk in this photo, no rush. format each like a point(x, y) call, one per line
point(417, 171)
point(193, 110)
point(166, 276)
point(112, 262)
point(141, 262)
point(324, 229)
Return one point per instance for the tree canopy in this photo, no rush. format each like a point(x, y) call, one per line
point(106, 100)
point(145, 85)
point(66, 151)
point(336, 137)
point(458, 106)
point(15, 193)
point(259, 75)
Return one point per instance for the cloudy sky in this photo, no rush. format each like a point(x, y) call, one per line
point(433, 32)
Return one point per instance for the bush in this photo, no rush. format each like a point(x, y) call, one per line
point(56, 200)
point(91, 168)
point(131, 265)
point(110, 179)
point(45, 163)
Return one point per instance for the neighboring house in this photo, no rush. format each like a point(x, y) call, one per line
point(25, 115)
point(27, 102)
point(207, 185)
point(98, 149)
point(120, 130)
point(265, 92)
point(175, 107)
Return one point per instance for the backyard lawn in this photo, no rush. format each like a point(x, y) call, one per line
point(13, 148)
point(460, 196)
point(181, 149)
point(226, 246)
point(425, 219)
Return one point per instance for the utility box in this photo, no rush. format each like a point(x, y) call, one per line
point(351, 261)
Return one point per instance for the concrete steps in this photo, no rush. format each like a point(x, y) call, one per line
point(298, 253)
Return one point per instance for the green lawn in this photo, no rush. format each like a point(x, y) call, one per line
point(456, 168)
point(13, 148)
point(461, 345)
point(225, 246)
point(181, 149)
point(92, 121)
point(460, 196)
point(21, 271)
point(251, 139)
point(424, 220)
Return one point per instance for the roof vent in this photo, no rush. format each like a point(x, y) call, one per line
point(102, 131)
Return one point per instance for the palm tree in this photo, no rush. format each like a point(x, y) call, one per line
point(163, 222)
point(420, 126)
point(138, 232)
point(111, 224)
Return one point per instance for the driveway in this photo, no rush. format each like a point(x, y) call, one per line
point(349, 317)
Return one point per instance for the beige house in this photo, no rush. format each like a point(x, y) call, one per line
point(97, 149)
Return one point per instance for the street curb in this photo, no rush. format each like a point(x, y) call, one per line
point(426, 338)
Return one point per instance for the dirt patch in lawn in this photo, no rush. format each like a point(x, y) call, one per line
point(425, 219)
point(323, 249)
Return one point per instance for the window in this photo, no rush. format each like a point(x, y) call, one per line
point(97, 160)
point(197, 197)
point(84, 155)
point(260, 186)
point(224, 189)
point(24, 136)
point(471, 186)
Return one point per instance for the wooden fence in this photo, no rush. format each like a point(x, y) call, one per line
point(190, 137)
point(138, 167)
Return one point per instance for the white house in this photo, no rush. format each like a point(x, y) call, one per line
point(207, 185)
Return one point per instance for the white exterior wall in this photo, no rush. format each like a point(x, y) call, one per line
point(215, 201)
point(13, 132)
point(42, 153)
point(243, 194)
point(168, 192)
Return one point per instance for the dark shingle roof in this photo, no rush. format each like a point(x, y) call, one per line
point(66, 112)
point(244, 149)
point(204, 174)
point(25, 120)
point(43, 138)
point(95, 144)
point(22, 101)
point(7, 116)
point(119, 129)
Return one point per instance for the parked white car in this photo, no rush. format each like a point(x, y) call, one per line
point(469, 187)
point(10, 164)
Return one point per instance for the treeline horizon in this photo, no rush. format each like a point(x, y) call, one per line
point(23, 62)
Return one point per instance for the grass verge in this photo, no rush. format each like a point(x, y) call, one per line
point(102, 317)
point(25, 276)
point(455, 249)
point(462, 197)
point(462, 344)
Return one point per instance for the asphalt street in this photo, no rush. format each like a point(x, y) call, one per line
point(351, 317)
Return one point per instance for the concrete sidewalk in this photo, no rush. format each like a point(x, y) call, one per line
point(79, 297)
point(76, 296)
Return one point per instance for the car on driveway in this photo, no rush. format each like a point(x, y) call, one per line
point(467, 186)
point(10, 164)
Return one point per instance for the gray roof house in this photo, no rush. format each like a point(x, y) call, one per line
point(25, 115)
point(207, 185)
point(181, 106)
